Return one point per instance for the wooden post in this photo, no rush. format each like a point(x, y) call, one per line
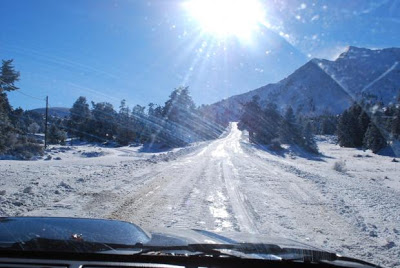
point(46, 122)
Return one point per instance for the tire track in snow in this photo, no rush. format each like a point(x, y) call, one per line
point(230, 147)
point(237, 200)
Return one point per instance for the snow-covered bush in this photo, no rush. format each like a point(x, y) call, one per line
point(340, 166)
point(26, 151)
point(275, 145)
point(57, 136)
point(33, 128)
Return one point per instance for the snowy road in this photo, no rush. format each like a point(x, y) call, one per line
point(201, 190)
point(226, 185)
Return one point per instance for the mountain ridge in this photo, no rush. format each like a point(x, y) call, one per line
point(54, 111)
point(325, 86)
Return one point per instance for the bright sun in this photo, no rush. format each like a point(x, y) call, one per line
point(223, 18)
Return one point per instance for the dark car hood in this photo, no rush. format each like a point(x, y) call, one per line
point(38, 233)
point(181, 237)
point(77, 235)
point(25, 229)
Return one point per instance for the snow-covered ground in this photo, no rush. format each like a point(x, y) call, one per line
point(223, 185)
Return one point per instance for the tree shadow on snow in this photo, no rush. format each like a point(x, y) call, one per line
point(291, 151)
point(390, 151)
point(154, 148)
point(300, 152)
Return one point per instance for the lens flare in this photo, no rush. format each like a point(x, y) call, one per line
point(224, 18)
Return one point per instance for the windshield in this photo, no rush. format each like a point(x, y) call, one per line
point(257, 117)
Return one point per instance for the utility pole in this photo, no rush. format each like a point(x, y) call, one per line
point(46, 120)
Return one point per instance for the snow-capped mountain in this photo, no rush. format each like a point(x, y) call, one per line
point(328, 86)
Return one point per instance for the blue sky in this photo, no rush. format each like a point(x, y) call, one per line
point(109, 50)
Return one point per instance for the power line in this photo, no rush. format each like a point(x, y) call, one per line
point(33, 97)
point(19, 91)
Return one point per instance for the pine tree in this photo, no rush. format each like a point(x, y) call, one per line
point(125, 130)
point(288, 129)
point(269, 124)
point(79, 118)
point(12, 123)
point(251, 120)
point(102, 125)
point(358, 133)
point(312, 105)
point(56, 136)
point(180, 107)
point(181, 119)
point(308, 139)
point(150, 109)
point(345, 137)
point(8, 76)
point(396, 124)
point(328, 125)
point(363, 123)
point(352, 126)
point(373, 139)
